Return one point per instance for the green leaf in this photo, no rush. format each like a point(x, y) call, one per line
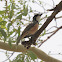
point(5, 16)
point(18, 12)
point(18, 31)
point(8, 27)
point(1, 19)
point(11, 14)
point(31, 9)
point(25, 10)
point(44, 33)
point(4, 27)
point(19, 60)
point(13, 5)
point(32, 55)
point(10, 33)
point(3, 23)
point(19, 17)
point(13, 41)
point(41, 61)
point(8, 7)
point(9, 42)
point(2, 12)
point(27, 59)
point(3, 33)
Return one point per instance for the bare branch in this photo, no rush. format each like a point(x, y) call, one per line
point(57, 8)
point(50, 35)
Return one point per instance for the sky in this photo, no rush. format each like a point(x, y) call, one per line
point(54, 44)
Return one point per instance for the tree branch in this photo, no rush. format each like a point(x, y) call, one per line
point(33, 39)
point(49, 19)
point(43, 56)
point(40, 54)
point(20, 48)
point(50, 35)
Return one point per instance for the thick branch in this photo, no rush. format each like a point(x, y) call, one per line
point(49, 19)
point(6, 46)
point(20, 48)
point(40, 54)
point(43, 56)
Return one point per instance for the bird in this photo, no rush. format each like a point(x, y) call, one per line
point(30, 29)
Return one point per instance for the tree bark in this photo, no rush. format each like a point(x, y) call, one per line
point(20, 48)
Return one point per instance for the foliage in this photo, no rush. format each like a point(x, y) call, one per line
point(13, 18)
point(25, 57)
point(10, 17)
point(11, 23)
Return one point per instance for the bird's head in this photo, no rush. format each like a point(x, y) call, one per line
point(37, 17)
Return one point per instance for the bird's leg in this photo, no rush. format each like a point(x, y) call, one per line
point(32, 41)
point(27, 44)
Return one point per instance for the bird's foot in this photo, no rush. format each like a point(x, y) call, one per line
point(26, 44)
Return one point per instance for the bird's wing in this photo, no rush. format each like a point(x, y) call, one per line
point(28, 27)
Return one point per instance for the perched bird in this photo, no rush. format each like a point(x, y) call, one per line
point(30, 29)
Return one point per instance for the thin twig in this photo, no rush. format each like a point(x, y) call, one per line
point(50, 36)
point(8, 57)
point(59, 17)
point(53, 3)
point(41, 6)
point(48, 16)
point(49, 32)
point(52, 27)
